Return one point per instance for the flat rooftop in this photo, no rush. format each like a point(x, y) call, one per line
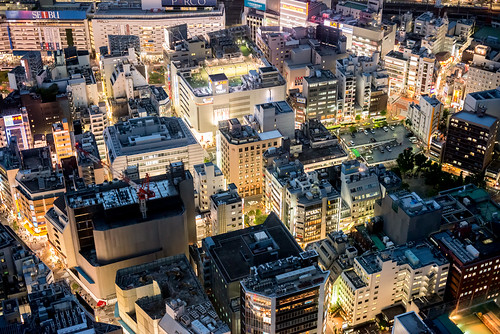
point(283, 277)
point(234, 253)
point(105, 12)
point(412, 323)
point(483, 120)
point(413, 205)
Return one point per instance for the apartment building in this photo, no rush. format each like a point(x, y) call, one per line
point(320, 90)
point(226, 210)
point(208, 180)
point(413, 271)
point(14, 122)
point(433, 29)
point(239, 154)
point(484, 71)
point(424, 118)
point(90, 171)
point(296, 13)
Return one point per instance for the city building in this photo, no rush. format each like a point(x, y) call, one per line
point(473, 252)
point(469, 142)
point(17, 78)
point(95, 119)
point(320, 90)
point(413, 271)
point(91, 172)
point(33, 64)
point(411, 72)
point(360, 188)
point(272, 291)
point(208, 180)
point(274, 116)
point(37, 187)
point(62, 140)
point(151, 144)
point(484, 71)
point(484, 100)
point(407, 217)
point(226, 211)
point(239, 154)
point(424, 118)
point(221, 89)
point(220, 269)
point(308, 206)
point(42, 114)
point(104, 228)
point(14, 122)
point(297, 13)
point(120, 44)
point(150, 22)
point(408, 323)
point(10, 162)
point(152, 298)
point(433, 29)
point(46, 31)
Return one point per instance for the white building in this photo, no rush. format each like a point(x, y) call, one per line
point(424, 117)
point(226, 211)
point(151, 144)
point(150, 25)
point(216, 100)
point(433, 29)
point(208, 180)
point(127, 82)
point(484, 72)
point(393, 276)
point(409, 323)
point(360, 188)
point(296, 13)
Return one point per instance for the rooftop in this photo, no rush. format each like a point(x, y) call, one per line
point(412, 323)
point(480, 119)
point(147, 134)
point(415, 255)
point(286, 276)
point(229, 196)
point(353, 5)
point(355, 280)
point(412, 204)
point(234, 253)
point(201, 169)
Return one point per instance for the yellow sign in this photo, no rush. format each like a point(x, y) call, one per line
point(294, 8)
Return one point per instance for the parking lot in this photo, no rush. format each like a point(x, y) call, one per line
point(380, 146)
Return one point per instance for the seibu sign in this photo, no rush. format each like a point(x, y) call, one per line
point(45, 14)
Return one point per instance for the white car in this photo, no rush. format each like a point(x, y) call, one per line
point(386, 129)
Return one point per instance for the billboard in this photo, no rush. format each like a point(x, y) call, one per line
point(257, 4)
point(189, 3)
point(13, 120)
point(45, 15)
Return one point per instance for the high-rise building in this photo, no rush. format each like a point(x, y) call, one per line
point(62, 140)
point(412, 271)
point(164, 303)
point(226, 211)
point(360, 188)
point(104, 230)
point(469, 142)
point(90, 171)
point(221, 269)
point(320, 89)
point(239, 154)
point(10, 162)
point(424, 118)
point(151, 144)
point(407, 217)
point(296, 13)
point(271, 293)
point(119, 44)
point(484, 71)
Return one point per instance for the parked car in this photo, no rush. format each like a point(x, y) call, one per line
point(353, 135)
point(373, 140)
point(372, 131)
point(388, 148)
point(351, 143)
point(386, 129)
point(392, 127)
point(381, 150)
point(366, 132)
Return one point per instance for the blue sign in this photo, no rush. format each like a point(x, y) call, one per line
point(257, 4)
point(46, 14)
point(189, 3)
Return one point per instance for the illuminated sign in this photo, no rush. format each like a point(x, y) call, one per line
point(257, 4)
point(45, 15)
point(189, 3)
point(294, 8)
point(220, 87)
point(13, 120)
point(329, 23)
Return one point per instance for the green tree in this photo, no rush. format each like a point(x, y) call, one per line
point(258, 212)
point(260, 219)
point(405, 161)
point(383, 112)
point(358, 117)
point(408, 122)
point(443, 122)
point(352, 129)
point(420, 160)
